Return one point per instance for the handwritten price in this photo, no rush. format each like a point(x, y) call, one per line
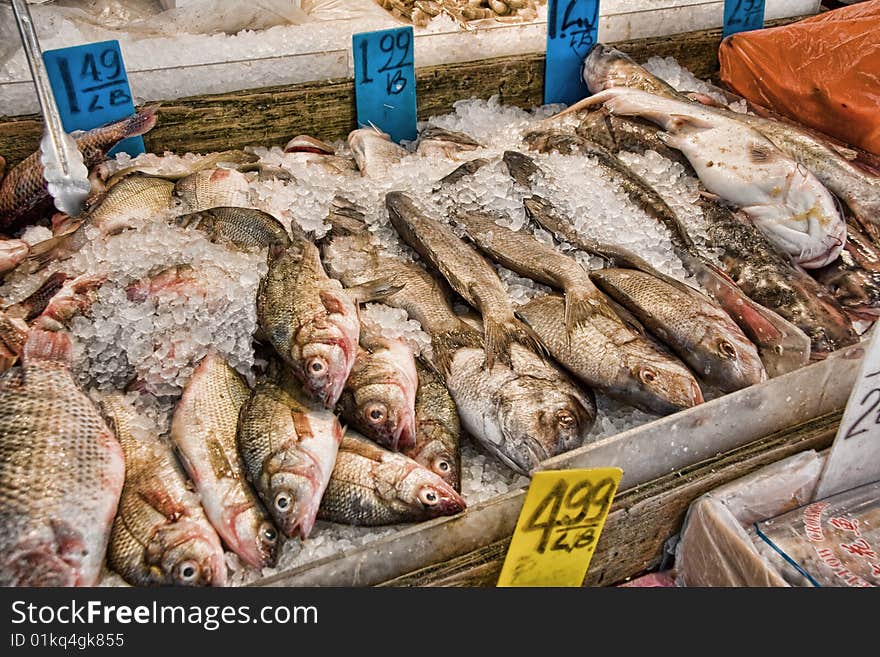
point(401, 44)
point(571, 513)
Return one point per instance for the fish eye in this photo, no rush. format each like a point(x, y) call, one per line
point(268, 533)
point(565, 418)
point(647, 375)
point(316, 366)
point(727, 349)
point(282, 501)
point(188, 571)
point(442, 465)
point(428, 496)
point(376, 413)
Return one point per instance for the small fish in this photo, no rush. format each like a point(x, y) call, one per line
point(738, 164)
point(310, 320)
point(380, 394)
point(24, 197)
point(242, 228)
point(137, 197)
point(467, 272)
point(372, 486)
point(854, 278)
point(212, 188)
point(288, 446)
point(307, 144)
point(696, 329)
point(447, 144)
point(203, 430)
point(462, 171)
point(437, 445)
point(161, 535)
point(61, 472)
point(374, 151)
point(12, 252)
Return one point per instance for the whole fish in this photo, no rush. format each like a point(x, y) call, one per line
point(212, 188)
point(447, 144)
point(542, 263)
point(24, 197)
point(374, 151)
point(203, 430)
point(243, 228)
point(605, 68)
point(175, 170)
point(770, 278)
point(380, 394)
point(460, 172)
point(437, 445)
point(161, 535)
point(288, 446)
point(372, 486)
point(782, 346)
point(12, 252)
point(310, 321)
point(854, 278)
point(522, 411)
point(136, 198)
point(686, 320)
point(61, 472)
point(466, 271)
point(740, 165)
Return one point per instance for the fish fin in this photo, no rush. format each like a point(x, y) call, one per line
point(581, 305)
point(761, 153)
point(42, 253)
point(155, 493)
point(703, 99)
point(709, 195)
point(51, 346)
point(501, 335)
point(374, 290)
point(445, 344)
point(843, 151)
point(628, 318)
point(682, 123)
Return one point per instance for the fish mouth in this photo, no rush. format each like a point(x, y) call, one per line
point(449, 504)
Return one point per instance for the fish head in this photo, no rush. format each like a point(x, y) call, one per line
point(293, 482)
point(427, 494)
point(441, 460)
point(186, 553)
point(541, 417)
point(659, 384)
point(603, 65)
point(384, 412)
point(730, 360)
point(323, 355)
point(856, 289)
point(256, 538)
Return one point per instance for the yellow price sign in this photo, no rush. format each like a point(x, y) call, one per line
point(559, 526)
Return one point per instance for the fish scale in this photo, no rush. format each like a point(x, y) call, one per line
point(61, 471)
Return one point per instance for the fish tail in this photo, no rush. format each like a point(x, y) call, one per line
point(140, 123)
point(54, 248)
point(581, 305)
point(47, 346)
point(374, 290)
point(445, 344)
point(500, 335)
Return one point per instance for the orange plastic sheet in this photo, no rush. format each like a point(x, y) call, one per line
point(823, 71)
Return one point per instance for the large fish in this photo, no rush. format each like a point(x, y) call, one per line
point(24, 197)
point(522, 412)
point(161, 535)
point(135, 197)
point(242, 228)
point(466, 271)
point(438, 428)
point(310, 320)
point(740, 165)
point(605, 352)
point(61, 472)
point(288, 445)
point(373, 486)
point(380, 394)
point(203, 431)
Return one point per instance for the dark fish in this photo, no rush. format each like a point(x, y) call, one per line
point(238, 227)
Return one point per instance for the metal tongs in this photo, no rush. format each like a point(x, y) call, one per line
point(65, 172)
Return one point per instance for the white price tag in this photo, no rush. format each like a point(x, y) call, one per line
point(855, 455)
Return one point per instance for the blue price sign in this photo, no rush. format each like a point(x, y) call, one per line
point(572, 27)
point(743, 15)
point(91, 88)
point(385, 81)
